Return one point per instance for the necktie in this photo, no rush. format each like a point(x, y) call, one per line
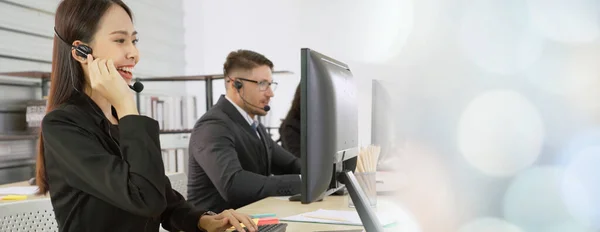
point(254, 125)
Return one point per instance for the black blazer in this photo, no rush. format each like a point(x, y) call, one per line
point(289, 133)
point(230, 166)
point(104, 177)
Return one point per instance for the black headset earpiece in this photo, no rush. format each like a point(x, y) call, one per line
point(237, 84)
point(82, 50)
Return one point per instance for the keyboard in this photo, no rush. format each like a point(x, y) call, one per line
point(280, 227)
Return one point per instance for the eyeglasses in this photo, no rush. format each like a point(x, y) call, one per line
point(262, 85)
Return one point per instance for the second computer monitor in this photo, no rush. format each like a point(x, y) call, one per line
point(329, 122)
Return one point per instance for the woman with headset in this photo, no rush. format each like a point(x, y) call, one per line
point(289, 131)
point(98, 158)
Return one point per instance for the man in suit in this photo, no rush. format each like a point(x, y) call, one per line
point(232, 158)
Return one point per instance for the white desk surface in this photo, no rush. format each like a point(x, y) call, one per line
point(20, 184)
point(284, 208)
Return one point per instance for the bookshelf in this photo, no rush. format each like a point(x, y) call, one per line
point(18, 139)
point(208, 81)
point(43, 78)
point(14, 109)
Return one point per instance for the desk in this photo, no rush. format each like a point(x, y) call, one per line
point(281, 207)
point(15, 184)
point(284, 208)
point(21, 184)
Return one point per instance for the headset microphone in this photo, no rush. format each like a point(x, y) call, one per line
point(137, 87)
point(266, 108)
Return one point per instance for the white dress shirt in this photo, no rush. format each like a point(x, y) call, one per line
point(244, 114)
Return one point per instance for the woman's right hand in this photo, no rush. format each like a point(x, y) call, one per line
point(106, 80)
point(225, 220)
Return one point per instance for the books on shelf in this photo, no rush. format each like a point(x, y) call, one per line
point(34, 113)
point(173, 113)
point(174, 160)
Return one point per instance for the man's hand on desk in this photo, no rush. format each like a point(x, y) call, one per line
point(226, 219)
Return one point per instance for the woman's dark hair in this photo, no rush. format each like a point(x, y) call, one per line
point(289, 129)
point(74, 20)
point(295, 109)
point(294, 112)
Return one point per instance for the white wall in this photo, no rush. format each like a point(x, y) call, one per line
point(279, 29)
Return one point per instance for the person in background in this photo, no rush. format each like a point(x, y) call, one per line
point(233, 161)
point(289, 131)
point(100, 160)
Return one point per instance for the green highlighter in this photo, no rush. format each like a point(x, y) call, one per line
point(263, 215)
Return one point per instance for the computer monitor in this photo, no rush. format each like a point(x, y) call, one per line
point(329, 132)
point(329, 123)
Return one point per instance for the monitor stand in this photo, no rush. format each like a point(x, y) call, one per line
point(298, 197)
point(361, 203)
point(336, 188)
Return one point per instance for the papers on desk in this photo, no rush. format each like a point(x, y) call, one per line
point(20, 190)
point(340, 217)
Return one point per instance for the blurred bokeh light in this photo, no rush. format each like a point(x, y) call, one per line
point(489, 225)
point(534, 201)
point(497, 36)
point(500, 133)
point(574, 21)
point(581, 186)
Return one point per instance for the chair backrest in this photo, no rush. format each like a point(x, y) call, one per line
point(28, 215)
point(179, 182)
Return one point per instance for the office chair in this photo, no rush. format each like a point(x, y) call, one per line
point(179, 182)
point(30, 215)
point(38, 215)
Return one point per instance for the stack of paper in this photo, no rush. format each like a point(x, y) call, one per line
point(338, 217)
